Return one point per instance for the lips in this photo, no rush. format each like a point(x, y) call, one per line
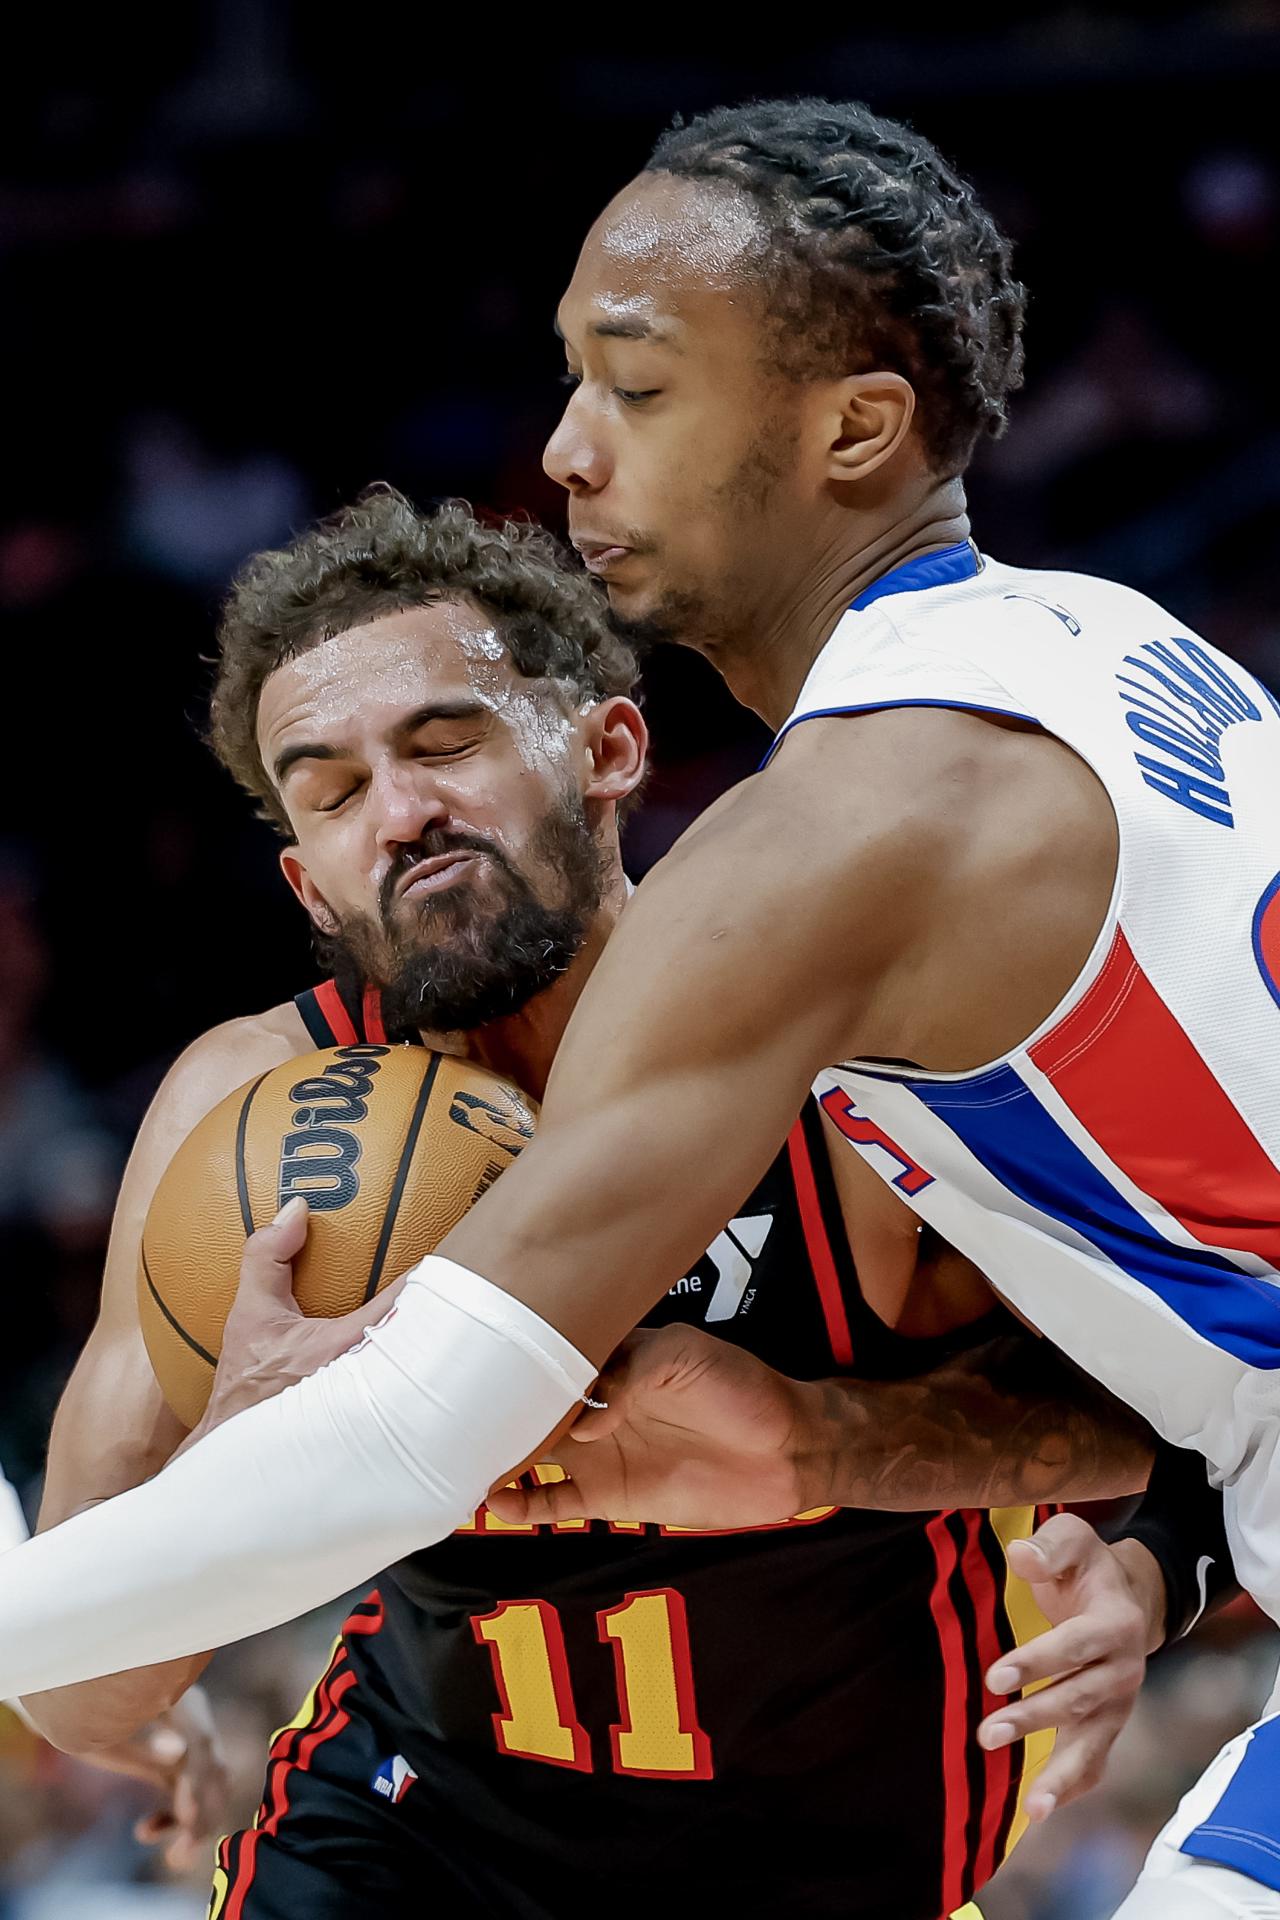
point(598, 556)
point(441, 870)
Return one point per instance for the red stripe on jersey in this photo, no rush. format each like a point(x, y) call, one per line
point(371, 1012)
point(329, 1001)
point(366, 1622)
point(819, 1248)
point(955, 1717)
point(1133, 1079)
point(998, 1766)
point(294, 1750)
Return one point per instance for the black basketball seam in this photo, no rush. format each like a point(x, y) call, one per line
point(242, 1184)
point(177, 1325)
point(402, 1174)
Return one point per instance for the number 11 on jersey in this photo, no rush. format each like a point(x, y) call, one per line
point(657, 1734)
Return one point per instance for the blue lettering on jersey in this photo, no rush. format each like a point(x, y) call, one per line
point(1182, 708)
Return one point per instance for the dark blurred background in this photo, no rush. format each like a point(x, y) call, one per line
point(254, 255)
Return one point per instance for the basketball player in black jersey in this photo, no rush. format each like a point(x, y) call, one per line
point(530, 1718)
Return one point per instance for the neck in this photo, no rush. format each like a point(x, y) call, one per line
point(766, 668)
point(523, 1046)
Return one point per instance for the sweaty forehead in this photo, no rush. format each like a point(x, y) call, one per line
point(370, 675)
point(664, 246)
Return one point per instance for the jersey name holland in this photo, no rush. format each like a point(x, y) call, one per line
point(1117, 1175)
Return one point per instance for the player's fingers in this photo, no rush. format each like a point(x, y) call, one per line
point(533, 1506)
point(1061, 1549)
point(186, 1851)
point(266, 1268)
point(1081, 1696)
point(1108, 1634)
point(614, 1386)
point(154, 1827)
point(1075, 1766)
point(609, 1398)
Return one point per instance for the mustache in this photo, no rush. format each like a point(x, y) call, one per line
point(432, 846)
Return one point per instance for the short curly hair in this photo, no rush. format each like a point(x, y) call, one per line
point(878, 255)
point(379, 556)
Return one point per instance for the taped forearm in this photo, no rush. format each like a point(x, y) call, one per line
point(300, 1498)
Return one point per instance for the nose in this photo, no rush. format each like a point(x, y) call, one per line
point(575, 456)
point(406, 804)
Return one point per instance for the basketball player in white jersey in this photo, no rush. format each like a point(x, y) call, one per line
point(1010, 878)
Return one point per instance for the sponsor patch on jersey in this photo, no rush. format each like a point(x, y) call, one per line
point(393, 1779)
point(726, 1270)
point(1266, 938)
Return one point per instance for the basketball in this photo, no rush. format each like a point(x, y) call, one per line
point(389, 1146)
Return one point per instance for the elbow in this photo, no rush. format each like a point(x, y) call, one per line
point(89, 1718)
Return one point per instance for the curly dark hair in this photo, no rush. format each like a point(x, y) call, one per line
point(878, 255)
point(380, 555)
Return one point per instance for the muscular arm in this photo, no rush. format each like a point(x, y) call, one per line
point(1008, 1423)
point(112, 1429)
point(839, 904)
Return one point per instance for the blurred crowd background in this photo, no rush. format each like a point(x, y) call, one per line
point(254, 255)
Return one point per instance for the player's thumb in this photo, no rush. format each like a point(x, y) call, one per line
point(1062, 1547)
point(266, 1267)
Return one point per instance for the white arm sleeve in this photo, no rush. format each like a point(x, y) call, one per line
point(13, 1531)
point(299, 1498)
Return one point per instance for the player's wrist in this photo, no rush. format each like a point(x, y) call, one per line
point(812, 1450)
point(1145, 1579)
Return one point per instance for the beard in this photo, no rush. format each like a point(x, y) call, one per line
point(480, 950)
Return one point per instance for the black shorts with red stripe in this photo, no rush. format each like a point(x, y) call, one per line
point(540, 1722)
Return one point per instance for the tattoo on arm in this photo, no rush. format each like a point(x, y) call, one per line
point(1007, 1423)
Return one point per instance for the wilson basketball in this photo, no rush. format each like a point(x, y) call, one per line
point(389, 1146)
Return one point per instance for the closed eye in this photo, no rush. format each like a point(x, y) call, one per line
point(333, 806)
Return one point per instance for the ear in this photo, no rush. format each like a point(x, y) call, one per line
point(616, 741)
point(305, 889)
point(869, 417)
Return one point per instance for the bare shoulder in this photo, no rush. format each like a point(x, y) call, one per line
point(213, 1066)
point(221, 1060)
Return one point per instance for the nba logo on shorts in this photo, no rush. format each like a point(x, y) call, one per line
point(393, 1779)
point(1266, 938)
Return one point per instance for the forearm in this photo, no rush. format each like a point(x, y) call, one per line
point(97, 1714)
point(1005, 1424)
point(101, 1713)
point(299, 1499)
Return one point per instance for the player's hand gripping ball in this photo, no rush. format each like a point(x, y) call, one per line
point(389, 1146)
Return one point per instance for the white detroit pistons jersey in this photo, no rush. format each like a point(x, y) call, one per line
point(1117, 1175)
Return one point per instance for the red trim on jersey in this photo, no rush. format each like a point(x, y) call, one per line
point(955, 1718)
point(371, 1013)
point(292, 1752)
point(329, 1001)
point(1134, 1080)
point(998, 1766)
point(819, 1247)
point(681, 1652)
point(557, 1659)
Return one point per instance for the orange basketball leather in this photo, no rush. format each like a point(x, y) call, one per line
point(389, 1145)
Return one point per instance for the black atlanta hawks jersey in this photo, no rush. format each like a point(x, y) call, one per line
point(540, 1720)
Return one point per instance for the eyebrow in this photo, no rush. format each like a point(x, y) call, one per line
point(460, 709)
point(625, 330)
